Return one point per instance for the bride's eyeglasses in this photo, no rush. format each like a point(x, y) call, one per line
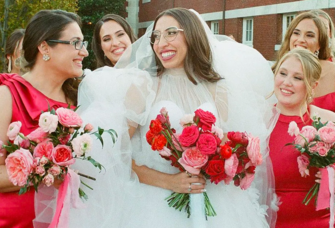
point(169, 35)
point(77, 44)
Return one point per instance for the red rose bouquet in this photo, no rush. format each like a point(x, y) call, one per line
point(316, 144)
point(198, 150)
point(47, 152)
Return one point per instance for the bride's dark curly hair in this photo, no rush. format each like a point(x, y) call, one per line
point(198, 61)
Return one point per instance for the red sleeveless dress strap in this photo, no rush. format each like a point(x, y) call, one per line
point(17, 211)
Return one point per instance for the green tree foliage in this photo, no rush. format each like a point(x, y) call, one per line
point(90, 12)
point(20, 12)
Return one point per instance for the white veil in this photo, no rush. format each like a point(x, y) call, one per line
point(249, 80)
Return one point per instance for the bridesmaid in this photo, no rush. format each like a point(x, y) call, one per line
point(54, 50)
point(308, 31)
point(13, 51)
point(112, 35)
point(296, 76)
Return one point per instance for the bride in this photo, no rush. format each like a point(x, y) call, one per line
point(180, 65)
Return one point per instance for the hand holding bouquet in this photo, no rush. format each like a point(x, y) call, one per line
point(198, 150)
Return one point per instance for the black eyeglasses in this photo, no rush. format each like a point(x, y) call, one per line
point(78, 44)
point(169, 35)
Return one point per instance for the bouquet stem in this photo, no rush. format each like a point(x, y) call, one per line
point(311, 193)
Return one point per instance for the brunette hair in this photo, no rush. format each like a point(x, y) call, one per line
point(325, 15)
point(96, 41)
point(310, 66)
point(49, 25)
point(198, 61)
point(12, 43)
point(324, 52)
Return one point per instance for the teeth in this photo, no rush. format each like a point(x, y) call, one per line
point(286, 91)
point(78, 61)
point(118, 50)
point(168, 54)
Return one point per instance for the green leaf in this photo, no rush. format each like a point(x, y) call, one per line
point(99, 137)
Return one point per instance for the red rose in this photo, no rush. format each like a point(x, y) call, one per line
point(189, 136)
point(158, 142)
point(238, 137)
point(207, 144)
point(215, 169)
point(204, 119)
point(251, 169)
point(225, 151)
point(150, 136)
point(155, 126)
point(62, 155)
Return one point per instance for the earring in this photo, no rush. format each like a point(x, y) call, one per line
point(9, 65)
point(46, 57)
point(317, 53)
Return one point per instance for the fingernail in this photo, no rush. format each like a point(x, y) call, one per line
point(203, 190)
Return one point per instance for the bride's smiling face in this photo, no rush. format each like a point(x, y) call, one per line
point(170, 45)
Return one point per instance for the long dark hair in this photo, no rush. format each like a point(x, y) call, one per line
point(49, 25)
point(198, 61)
point(96, 41)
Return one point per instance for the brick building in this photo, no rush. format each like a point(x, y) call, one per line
point(257, 23)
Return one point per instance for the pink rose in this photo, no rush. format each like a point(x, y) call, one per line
point(82, 144)
point(61, 155)
point(38, 135)
point(204, 119)
point(55, 170)
point(330, 124)
point(217, 131)
point(193, 160)
point(163, 111)
point(165, 152)
point(19, 166)
point(189, 136)
point(48, 180)
point(207, 144)
point(246, 181)
point(320, 147)
point(293, 129)
point(309, 132)
point(230, 165)
point(13, 130)
point(238, 138)
point(88, 127)
point(2, 151)
point(327, 134)
point(187, 120)
point(68, 118)
point(254, 150)
point(44, 149)
point(163, 119)
point(48, 122)
point(303, 163)
point(43, 161)
point(40, 170)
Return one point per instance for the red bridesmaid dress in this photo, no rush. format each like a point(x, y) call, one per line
point(291, 188)
point(17, 211)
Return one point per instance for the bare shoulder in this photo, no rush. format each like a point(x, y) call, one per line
point(324, 114)
point(328, 66)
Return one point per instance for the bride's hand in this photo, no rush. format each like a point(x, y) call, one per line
point(186, 183)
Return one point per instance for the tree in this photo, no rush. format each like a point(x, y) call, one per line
point(92, 11)
point(20, 12)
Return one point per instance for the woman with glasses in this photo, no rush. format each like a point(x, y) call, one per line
point(53, 50)
point(111, 37)
point(180, 65)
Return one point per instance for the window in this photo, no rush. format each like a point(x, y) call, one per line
point(287, 19)
point(215, 27)
point(248, 31)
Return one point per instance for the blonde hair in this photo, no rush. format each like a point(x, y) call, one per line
point(311, 70)
point(324, 52)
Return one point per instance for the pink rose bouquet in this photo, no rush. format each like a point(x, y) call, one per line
point(198, 150)
point(47, 152)
point(317, 146)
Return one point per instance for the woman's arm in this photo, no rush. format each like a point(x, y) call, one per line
point(180, 182)
point(5, 119)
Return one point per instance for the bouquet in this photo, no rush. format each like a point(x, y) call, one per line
point(198, 150)
point(316, 145)
point(47, 152)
